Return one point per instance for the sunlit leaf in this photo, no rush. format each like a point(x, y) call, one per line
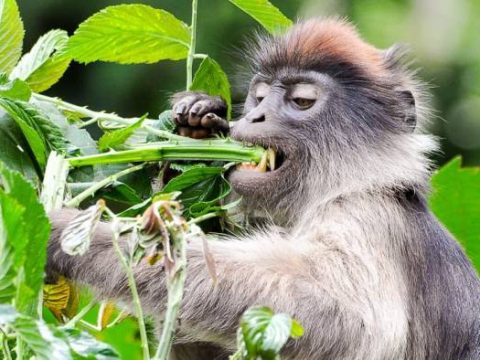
point(41, 134)
point(8, 314)
point(130, 33)
point(455, 200)
point(265, 13)
point(15, 89)
point(211, 79)
point(11, 35)
point(77, 235)
point(46, 62)
point(115, 138)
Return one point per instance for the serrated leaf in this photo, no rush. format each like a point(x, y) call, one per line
point(41, 134)
point(191, 177)
point(46, 62)
point(60, 298)
point(86, 346)
point(115, 138)
point(77, 235)
point(41, 339)
point(29, 240)
point(128, 34)
point(14, 149)
point(270, 17)
point(165, 122)
point(15, 89)
point(455, 200)
point(11, 35)
point(263, 334)
point(211, 79)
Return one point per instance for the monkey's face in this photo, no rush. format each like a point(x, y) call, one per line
point(281, 113)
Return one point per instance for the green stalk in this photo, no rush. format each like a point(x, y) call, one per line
point(75, 202)
point(193, 40)
point(96, 116)
point(135, 297)
point(175, 286)
point(223, 150)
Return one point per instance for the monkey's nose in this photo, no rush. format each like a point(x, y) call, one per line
point(255, 118)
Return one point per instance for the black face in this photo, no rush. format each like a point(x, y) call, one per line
point(280, 113)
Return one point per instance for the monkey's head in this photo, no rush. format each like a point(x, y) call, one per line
point(340, 114)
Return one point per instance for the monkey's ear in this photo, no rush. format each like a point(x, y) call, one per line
point(408, 104)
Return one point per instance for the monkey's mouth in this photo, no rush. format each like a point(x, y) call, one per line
point(271, 160)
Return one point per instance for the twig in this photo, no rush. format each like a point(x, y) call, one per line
point(133, 288)
point(193, 40)
point(81, 314)
point(75, 202)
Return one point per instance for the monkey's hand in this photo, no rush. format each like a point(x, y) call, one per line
point(198, 115)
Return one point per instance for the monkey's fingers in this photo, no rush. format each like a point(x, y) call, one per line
point(182, 108)
point(215, 122)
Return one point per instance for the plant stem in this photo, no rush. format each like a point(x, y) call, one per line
point(5, 348)
point(193, 40)
point(175, 286)
point(81, 314)
point(75, 202)
point(222, 150)
point(96, 116)
point(135, 296)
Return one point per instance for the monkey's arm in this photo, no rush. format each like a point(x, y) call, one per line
point(266, 269)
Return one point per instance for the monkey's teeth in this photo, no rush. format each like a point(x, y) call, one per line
point(262, 165)
point(271, 158)
point(251, 166)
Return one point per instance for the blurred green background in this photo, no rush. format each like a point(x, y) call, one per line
point(444, 36)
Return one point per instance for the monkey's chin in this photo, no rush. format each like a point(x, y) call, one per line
point(249, 182)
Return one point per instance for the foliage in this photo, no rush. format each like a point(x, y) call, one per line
point(455, 200)
point(262, 334)
point(45, 141)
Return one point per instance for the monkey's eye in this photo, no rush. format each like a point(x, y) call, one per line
point(303, 104)
point(259, 99)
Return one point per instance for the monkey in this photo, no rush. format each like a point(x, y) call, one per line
point(349, 247)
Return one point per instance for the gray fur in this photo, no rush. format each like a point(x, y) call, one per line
point(353, 252)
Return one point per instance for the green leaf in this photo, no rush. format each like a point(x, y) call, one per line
point(191, 177)
point(41, 339)
point(297, 329)
point(86, 346)
point(115, 138)
point(165, 122)
point(455, 200)
point(14, 149)
point(262, 333)
point(29, 240)
point(41, 134)
point(265, 13)
point(12, 244)
point(211, 79)
point(11, 35)
point(46, 62)
point(130, 34)
point(16, 89)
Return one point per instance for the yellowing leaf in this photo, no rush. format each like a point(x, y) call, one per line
point(61, 298)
